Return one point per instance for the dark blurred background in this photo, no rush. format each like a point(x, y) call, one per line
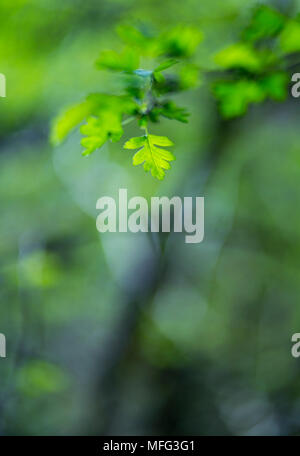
point(112, 334)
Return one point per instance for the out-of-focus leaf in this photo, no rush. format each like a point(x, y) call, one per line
point(106, 123)
point(127, 60)
point(180, 42)
point(165, 65)
point(234, 97)
point(239, 55)
point(158, 77)
point(39, 269)
point(289, 38)
point(275, 86)
point(170, 110)
point(39, 378)
point(266, 22)
point(189, 77)
point(68, 120)
point(98, 130)
point(136, 38)
point(154, 158)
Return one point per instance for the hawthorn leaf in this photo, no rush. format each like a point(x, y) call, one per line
point(154, 158)
point(98, 130)
point(69, 119)
point(235, 96)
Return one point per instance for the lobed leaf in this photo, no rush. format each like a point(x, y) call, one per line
point(154, 158)
point(239, 55)
point(68, 120)
point(289, 39)
point(266, 22)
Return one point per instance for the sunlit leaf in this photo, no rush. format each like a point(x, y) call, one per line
point(181, 41)
point(266, 22)
point(239, 55)
point(68, 120)
point(234, 97)
point(154, 158)
point(289, 38)
point(98, 130)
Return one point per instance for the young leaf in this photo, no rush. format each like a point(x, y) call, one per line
point(69, 119)
point(275, 85)
point(143, 42)
point(98, 130)
point(165, 65)
point(235, 96)
point(289, 38)
point(154, 158)
point(181, 41)
point(172, 111)
point(128, 60)
point(266, 22)
point(189, 77)
point(239, 55)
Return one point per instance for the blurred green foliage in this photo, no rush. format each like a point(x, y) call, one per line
point(255, 68)
point(125, 334)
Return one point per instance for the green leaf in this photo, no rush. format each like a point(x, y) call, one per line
point(266, 22)
point(37, 378)
point(180, 41)
point(68, 120)
point(235, 96)
point(162, 67)
point(159, 77)
point(275, 86)
point(239, 55)
point(289, 39)
point(106, 121)
point(165, 65)
point(98, 130)
point(154, 158)
point(95, 103)
point(189, 77)
point(170, 110)
point(128, 60)
point(141, 40)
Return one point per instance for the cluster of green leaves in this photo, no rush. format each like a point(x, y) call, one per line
point(151, 68)
point(256, 66)
point(144, 97)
